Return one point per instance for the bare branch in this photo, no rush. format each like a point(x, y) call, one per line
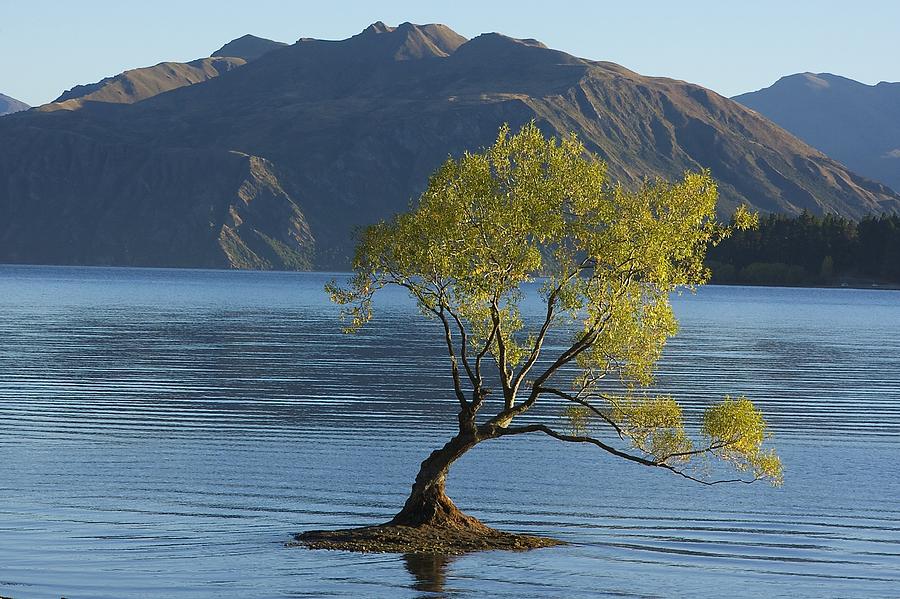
point(542, 428)
point(485, 350)
point(501, 356)
point(533, 428)
point(684, 454)
point(583, 343)
point(585, 403)
point(421, 294)
point(538, 342)
point(548, 320)
point(454, 366)
point(511, 411)
point(463, 350)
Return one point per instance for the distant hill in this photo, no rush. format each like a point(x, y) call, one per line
point(275, 164)
point(248, 47)
point(139, 84)
point(854, 123)
point(10, 105)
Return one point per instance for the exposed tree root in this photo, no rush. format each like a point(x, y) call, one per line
point(429, 523)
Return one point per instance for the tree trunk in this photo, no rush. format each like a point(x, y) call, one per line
point(428, 504)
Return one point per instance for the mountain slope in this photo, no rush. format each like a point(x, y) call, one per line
point(350, 130)
point(155, 207)
point(854, 123)
point(10, 105)
point(139, 84)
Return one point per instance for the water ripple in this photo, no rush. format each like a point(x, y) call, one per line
point(165, 431)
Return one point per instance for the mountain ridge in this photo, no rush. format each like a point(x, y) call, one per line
point(10, 105)
point(135, 85)
point(853, 122)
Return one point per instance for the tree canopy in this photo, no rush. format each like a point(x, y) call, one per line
point(605, 259)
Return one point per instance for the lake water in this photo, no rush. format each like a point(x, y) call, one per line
point(164, 432)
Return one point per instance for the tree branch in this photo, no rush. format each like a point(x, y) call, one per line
point(548, 320)
point(692, 452)
point(485, 350)
point(538, 343)
point(585, 403)
point(420, 293)
point(586, 340)
point(454, 366)
point(463, 351)
point(501, 356)
point(511, 411)
point(534, 428)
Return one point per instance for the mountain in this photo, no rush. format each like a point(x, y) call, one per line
point(248, 47)
point(139, 84)
point(10, 105)
point(275, 164)
point(852, 122)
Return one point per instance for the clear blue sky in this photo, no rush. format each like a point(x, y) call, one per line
point(729, 46)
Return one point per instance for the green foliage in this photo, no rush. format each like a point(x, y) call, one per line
point(655, 426)
point(579, 419)
point(826, 270)
point(773, 273)
point(608, 258)
point(736, 430)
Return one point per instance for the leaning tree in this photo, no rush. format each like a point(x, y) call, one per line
point(605, 260)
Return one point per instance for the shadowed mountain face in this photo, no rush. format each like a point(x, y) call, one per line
point(150, 207)
point(10, 105)
point(852, 122)
point(345, 133)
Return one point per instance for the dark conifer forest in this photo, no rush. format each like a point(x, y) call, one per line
point(811, 250)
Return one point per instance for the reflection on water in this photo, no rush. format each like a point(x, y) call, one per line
point(165, 432)
point(429, 571)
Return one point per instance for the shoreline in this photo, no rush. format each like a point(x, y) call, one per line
point(848, 284)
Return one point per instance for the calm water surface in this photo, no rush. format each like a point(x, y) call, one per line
point(162, 434)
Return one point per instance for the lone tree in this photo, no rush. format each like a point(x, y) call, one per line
point(605, 260)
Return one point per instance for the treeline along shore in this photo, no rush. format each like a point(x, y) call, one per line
point(810, 250)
